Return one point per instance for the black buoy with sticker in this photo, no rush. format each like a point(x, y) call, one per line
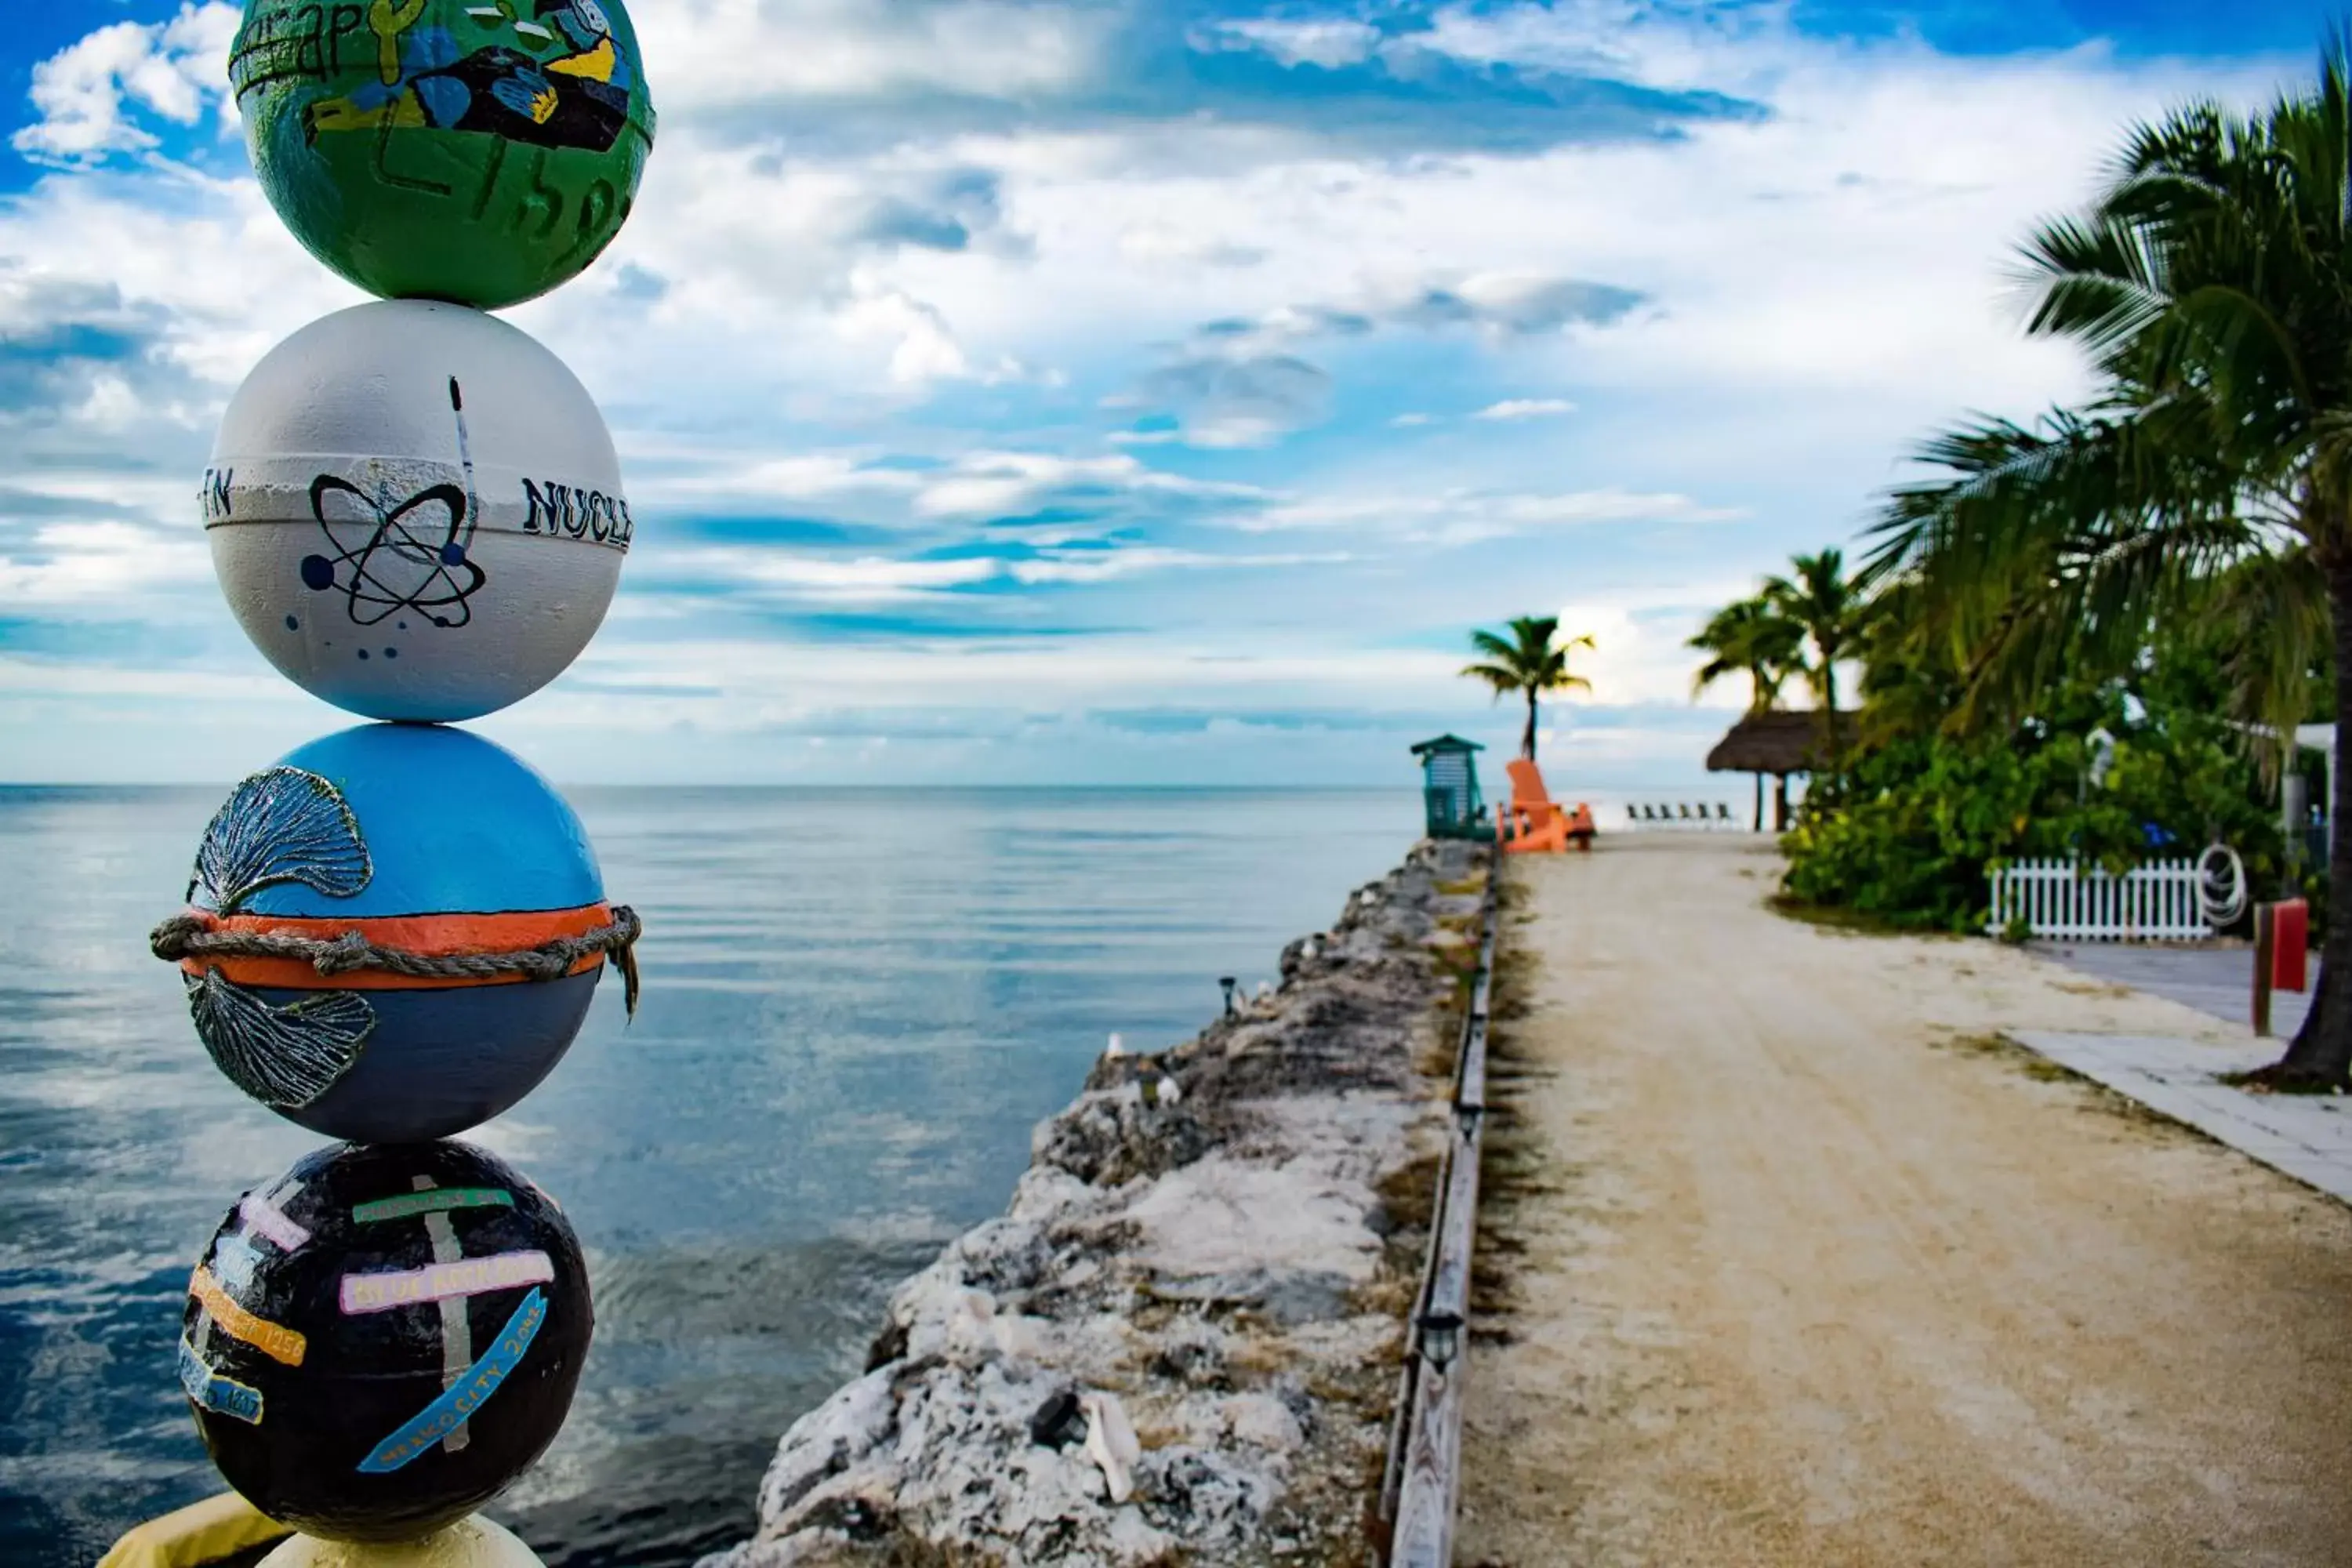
point(383, 1338)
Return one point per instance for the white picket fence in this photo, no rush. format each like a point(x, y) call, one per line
point(2154, 902)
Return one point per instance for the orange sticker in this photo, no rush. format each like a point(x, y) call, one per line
point(273, 1339)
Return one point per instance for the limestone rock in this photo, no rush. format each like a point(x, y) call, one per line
point(1179, 1344)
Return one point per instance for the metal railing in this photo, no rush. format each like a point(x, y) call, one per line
point(1423, 1480)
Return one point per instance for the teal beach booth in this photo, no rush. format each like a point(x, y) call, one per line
point(1449, 789)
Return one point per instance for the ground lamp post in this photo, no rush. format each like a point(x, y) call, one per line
point(393, 934)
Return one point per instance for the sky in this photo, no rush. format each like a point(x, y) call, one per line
point(1103, 391)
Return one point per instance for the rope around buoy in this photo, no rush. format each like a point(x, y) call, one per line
point(191, 935)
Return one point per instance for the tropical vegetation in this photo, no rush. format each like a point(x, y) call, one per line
point(1751, 637)
point(2170, 562)
point(1821, 607)
point(1529, 661)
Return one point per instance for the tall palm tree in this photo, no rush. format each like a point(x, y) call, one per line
point(1532, 659)
point(1749, 637)
point(2211, 282)
point(1825, 607)
point(1911, 683)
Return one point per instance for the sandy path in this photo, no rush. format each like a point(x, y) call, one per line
point(1799, 1274)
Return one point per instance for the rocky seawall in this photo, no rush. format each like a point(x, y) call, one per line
point(1180, 1344)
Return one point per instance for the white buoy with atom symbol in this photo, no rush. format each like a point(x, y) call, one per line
point(415, 510)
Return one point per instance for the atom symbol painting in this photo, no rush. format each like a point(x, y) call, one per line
point(401, 558)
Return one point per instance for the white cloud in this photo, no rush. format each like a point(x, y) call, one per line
point(1327, 43)
point(991, 483)
point(1735, 49)
point(715, 55)
point(882, 580)
point(1231, 432)
point(96, 488)
point(1468, 517)
point(936, 319)
point(922, 348)
point(866, 580)
point(1100, 567)
point(1167, 247)
point(201, 269)
point(84, 93)
point(1639, 658)
point(757, 681)
point(814, 477)
point(1500, 305)
point(83, 564)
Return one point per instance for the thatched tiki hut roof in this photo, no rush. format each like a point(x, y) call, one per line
point(1776, 743)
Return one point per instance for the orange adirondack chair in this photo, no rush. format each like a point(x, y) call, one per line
point(1534, 823)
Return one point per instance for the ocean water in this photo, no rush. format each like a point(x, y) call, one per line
point(856, 1005)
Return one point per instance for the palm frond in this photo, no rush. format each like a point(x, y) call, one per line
point(1502, 678)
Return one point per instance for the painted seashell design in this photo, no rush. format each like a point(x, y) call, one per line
point(415, 839)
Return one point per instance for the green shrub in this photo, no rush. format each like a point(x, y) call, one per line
point(1910, 834)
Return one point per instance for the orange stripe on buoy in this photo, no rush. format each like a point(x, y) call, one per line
point(433, 935)
point(275, 1341)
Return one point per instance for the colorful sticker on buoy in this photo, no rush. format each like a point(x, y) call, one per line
point(431, 1200)
point(263, 1217)
point(275, 1341)
point(467, 1277)
point(234, 1261)
point(462, 1398)
point(221, 1396)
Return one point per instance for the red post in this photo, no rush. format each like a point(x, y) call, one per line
point(2290, 943)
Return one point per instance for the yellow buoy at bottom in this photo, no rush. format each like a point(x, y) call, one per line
point(472, 1542)
point(199, 1533)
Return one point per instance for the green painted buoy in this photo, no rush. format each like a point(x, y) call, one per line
point(476, 151)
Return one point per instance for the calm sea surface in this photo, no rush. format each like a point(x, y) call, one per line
point(856, 1005)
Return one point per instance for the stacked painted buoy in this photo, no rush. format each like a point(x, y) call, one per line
point(393, 934)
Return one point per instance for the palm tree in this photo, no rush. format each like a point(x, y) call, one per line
point(1752, 638)
point(1823, 605)
point(1532, 659)
point(2211, 284)
point(1749, 637)
point(1911, 682)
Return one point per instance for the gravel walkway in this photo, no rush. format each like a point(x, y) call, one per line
point(1802, 1266)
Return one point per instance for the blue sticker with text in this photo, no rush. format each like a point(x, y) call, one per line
point(462, 1398)
point(221, 1396)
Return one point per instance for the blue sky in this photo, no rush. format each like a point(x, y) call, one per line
point(1107, 391)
